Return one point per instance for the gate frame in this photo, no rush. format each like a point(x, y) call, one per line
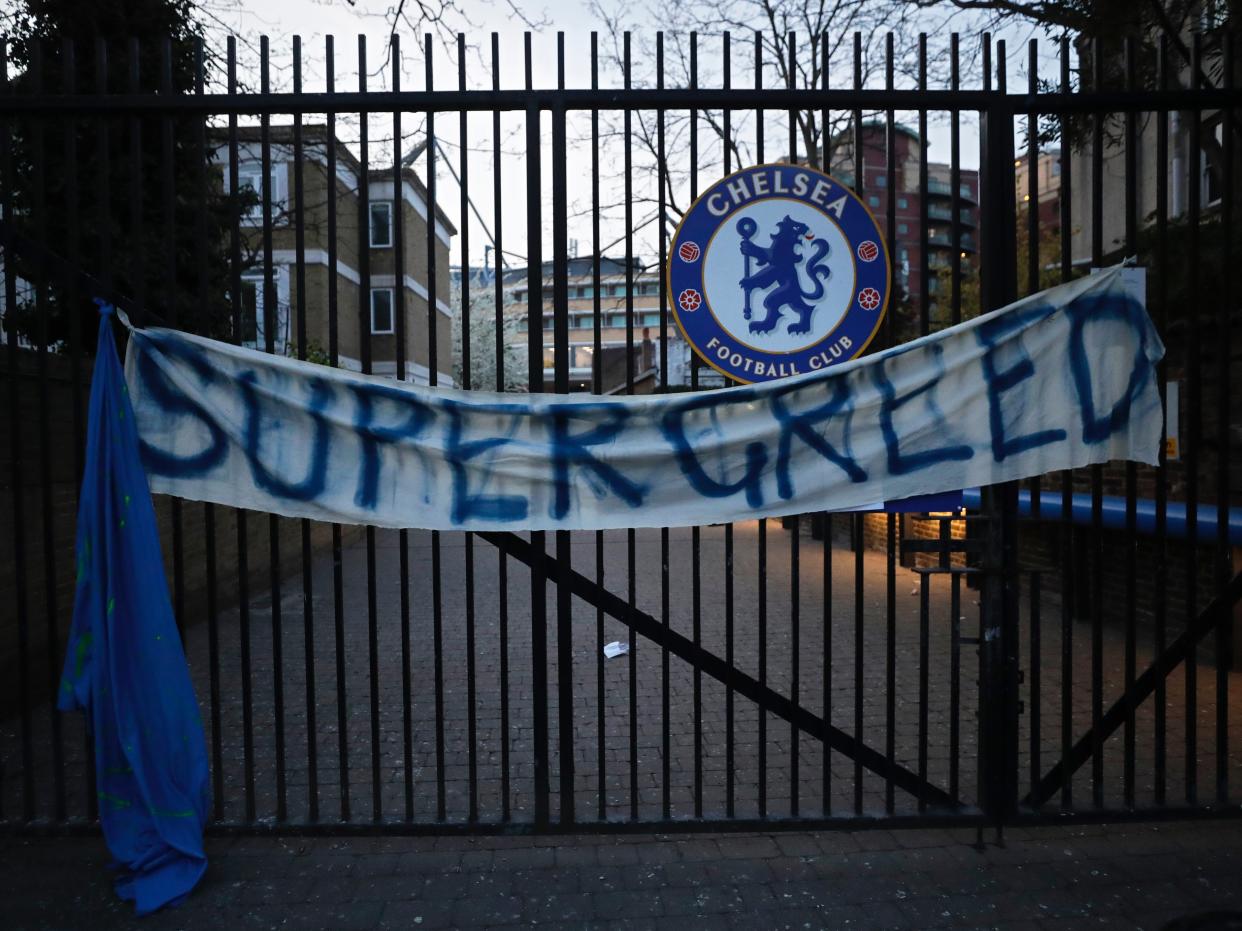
point(1000, 705)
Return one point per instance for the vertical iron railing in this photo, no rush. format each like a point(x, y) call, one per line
point(708, 636)
point(998, 649)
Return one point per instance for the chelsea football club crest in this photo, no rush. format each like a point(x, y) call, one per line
point(778, 270)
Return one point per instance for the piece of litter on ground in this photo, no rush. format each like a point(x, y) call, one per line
point(616, 648)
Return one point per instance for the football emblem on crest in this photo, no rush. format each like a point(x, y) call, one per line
point(776, 271)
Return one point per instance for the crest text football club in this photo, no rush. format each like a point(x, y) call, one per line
point(778, 270)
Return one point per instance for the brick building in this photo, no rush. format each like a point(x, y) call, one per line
point(1047, 189)
point(952, 215)
point(377, 248)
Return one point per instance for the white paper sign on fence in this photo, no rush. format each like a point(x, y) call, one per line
point(1062, 379)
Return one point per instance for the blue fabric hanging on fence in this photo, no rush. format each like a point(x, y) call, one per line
point(125, 666)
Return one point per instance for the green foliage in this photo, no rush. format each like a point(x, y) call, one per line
point(1191, 270)
point(132, 197)
point(1047, 263)
point(903, 316)
point(1188, 269)
point(314, 353)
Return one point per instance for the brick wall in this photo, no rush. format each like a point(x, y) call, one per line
point(1042, 547)
point(915, 528)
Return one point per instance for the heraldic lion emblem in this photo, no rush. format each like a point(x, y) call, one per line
point(778, 265)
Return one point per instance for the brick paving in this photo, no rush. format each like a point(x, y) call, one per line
point(1122, 877)
point(1134, 876)
point(786, 782)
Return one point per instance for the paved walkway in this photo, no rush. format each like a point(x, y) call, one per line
point(343, 759)
point(1124, 877)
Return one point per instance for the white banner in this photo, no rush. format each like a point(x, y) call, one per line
point(1062, 379)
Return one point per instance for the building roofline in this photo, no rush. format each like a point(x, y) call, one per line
point(517, 275)
point(876, 124)
point(313, 133)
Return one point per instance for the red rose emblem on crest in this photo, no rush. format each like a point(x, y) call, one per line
point(689, 299)
point(869, 298)
point(689, 252)
point(868, 251)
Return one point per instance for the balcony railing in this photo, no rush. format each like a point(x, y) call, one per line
point(945, 239)
point(935, 186)
point(964, 216)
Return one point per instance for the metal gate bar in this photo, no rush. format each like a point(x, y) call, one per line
point(686, 649)
point(1211, 618)
point(145, 120)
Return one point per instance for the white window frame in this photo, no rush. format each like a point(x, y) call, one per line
point(387, 205)
point(1217, 130)
point(392, 312)
point(252, 171)
point(255, 280)
point(280, 283)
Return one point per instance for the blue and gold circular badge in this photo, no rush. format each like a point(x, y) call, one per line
point(778, 270)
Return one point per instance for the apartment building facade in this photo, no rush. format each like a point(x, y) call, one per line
point(617, 292)
point(952, 214)
point(1047, 178)
point(362, 241)
point(1192, 151)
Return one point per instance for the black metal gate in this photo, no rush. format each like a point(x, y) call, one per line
point(828, 670)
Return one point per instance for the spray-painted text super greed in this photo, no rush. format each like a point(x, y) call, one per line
point(1059, 380)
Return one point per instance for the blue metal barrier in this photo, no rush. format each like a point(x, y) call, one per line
point(1113, 510)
